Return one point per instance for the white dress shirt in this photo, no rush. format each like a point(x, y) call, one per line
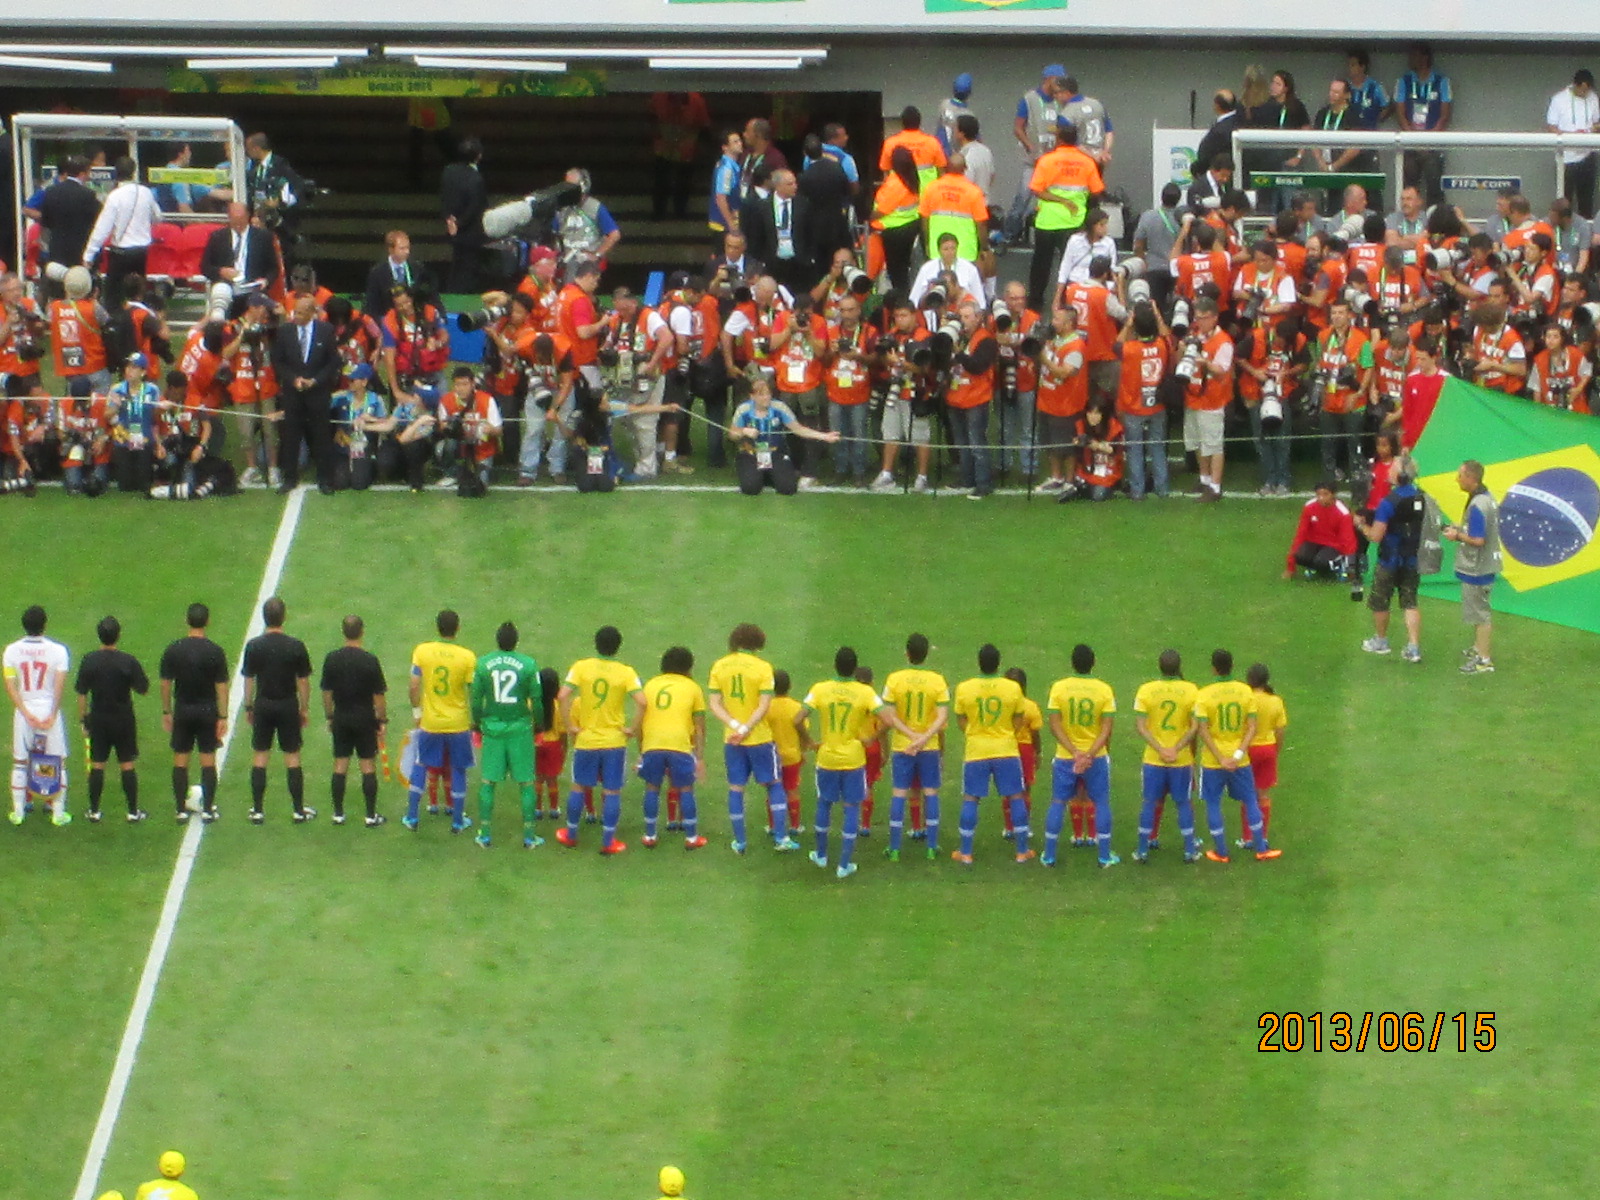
point(1079, 253)
point(125, 220)
point(966, 273)
point(980, 167)
point(1571, 113)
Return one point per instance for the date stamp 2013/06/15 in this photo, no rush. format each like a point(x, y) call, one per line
point(1342, 1032)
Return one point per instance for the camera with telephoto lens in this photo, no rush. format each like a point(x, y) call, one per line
point(1131, 268)
point(1561, 392)
point(1509, 255)
point(1188, 368)
point(219, 301)
point(1181, 319)
point(947, 337)
point(1361, 304)
point(531, 213)
point(857, 281)
point(487, 315)
point(1139, 291)
point(1445, 258)
point(1254, 305)
point(1003, 320)
point(26, 331)
point(540, 397)
point(1272, 402)
point(934, 297)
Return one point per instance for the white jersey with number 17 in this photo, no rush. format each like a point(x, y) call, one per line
point(36, 665)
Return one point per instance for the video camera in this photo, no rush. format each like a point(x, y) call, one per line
point(532, 213)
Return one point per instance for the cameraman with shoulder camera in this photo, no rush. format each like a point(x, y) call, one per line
point(904, 358)
point(1145, 348)
point(970, 393)
point(1341, 372)
point(551, 373)
point(1205, 364)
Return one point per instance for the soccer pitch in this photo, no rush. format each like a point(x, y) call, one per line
point(349, 1014)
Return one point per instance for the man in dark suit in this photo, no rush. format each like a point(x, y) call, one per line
point(1205, 193)
point(780, 233)
point(463, 197)
point(67, 212)
point(1219, 138)
point(733, 267)
point(826, 189)
point(240, 253)
point(396, 270)
point(306, 359)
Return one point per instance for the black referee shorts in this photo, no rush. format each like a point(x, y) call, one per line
point(280, 722)
point(115, 735)
point(194, 729)
point(354, 737)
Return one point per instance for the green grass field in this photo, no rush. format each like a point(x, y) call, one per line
point(350, 1014)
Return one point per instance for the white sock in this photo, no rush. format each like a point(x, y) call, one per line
point(1205, 481)
point(671, 455)
point(19, 787)
point(1215, 487)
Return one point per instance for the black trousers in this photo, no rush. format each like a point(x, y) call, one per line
point(119, 265)
point(781, 477)
point(897, 246)
point(305, 421)
point(1580, 180)
point(1047, 247)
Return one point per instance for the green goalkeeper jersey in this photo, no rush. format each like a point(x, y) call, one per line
point(505, 693)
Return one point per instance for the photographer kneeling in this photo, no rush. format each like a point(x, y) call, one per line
point(468, 434)
point(758, 424)
point(360, 419)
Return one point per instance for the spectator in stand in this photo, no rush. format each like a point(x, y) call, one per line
point(1157, 239)
point(1324, 543)
point(726, 193)
point(925, 149)
point(895, 209)
point(1255, 107)
point(1095, 136)
point(1285, 111)
point(760, 155)
point(1337, 115)
point(1408, 228)
point(585, 229)
point(1367, 96)
point(123, 230)
point(1576, 109)
point(779, 233)
point(952, 110)
point(827, 191)
point(1424, 102)
point(978, 157)
point(1218, 139)
point(679, 117)
point(1574, 238)
point(395, 271)
point(1035, 131)
point(67, 215)
point(463, 197)
point(953, 204)
point(1066, 182)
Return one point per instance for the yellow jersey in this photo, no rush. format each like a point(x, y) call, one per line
point(671, 703)
point(990, 703)
point(1167, 706)
point(917, 695)
point(741, 679)
point(785, 735)
point(601, 687)
point(1083, 703)
point(444, 673)
point(844, 710)
point(1271, 719)
point(1226, 707)
point(1031, 721)
point(165, 1189)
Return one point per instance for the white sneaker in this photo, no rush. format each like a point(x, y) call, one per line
point(807, 484)
point(884, 483)
point(1052, 484)
point(921, 484)
point(274, 477)
point(1376, 645)
point(251, 477)
point(445, 483)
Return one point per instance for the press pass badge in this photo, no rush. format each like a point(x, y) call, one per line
point(596, 462)
point(764, 455)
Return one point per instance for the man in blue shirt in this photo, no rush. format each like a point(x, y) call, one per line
point(723, 214)
point(1396, 528)
point(1423, 102)
point(834, 140)
point(1367, 97)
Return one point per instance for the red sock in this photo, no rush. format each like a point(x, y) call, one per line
point(916, 810)
point(433, 789)
point(866, 813)
point(1155, 826)
point(672, 805)
point(588, 801)
point(1266, 814)
point(1088, 817)
point(1075, 809)
point(794, 809)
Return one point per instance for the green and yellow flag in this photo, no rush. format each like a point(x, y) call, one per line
point(951, 6)
point(1542, 465)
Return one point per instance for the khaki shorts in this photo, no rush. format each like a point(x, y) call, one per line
point(1475, 608)
point(1202, 430)
point(1386, 581)
point(900, 426)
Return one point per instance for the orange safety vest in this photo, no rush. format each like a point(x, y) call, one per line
point(76, 342)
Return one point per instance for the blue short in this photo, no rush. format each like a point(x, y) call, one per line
point(603, 767)
point(1161, 780)
point(842, 787)
point(1238, 782)
point(436, 751)
point(656, 765)
point(919, 770)
point(1096, 779)
point(751, 762)
point(1005, 772)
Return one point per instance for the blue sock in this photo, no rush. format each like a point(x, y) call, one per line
point(824, 820)
point(419, 781)
point(1191, 844)
point(1219, 834)
point(778, 806)
point(574, 811)
point(691, 815)
point(1054, 821)
point(1252, 816)
point(897, 819)
point(736, 813)
point(458, 795)
point(930, 818)
point(1147, 818)
point(652, 806)
point(610, 814)
point(969, 823)
point(1019, 823)
point(1102, 825)
point(852, 826)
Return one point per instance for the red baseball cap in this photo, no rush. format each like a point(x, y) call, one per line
point(538, 254)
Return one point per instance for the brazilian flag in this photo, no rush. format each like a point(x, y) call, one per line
point(1542, 465)
point(950, 6)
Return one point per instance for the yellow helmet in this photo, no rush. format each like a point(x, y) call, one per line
point(671, 1180)
point(171, 1164)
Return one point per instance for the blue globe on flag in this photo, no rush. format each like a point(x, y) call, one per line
point(1549, 516)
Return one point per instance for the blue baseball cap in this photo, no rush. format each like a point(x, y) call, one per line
point(360, 371)
point(962, 87)
point(137, 360)
point(1053, 71)
point(428, 395)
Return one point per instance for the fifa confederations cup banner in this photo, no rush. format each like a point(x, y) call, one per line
point(1542, 465)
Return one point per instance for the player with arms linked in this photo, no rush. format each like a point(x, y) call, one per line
point(1163, 713)
point(987, 708)
point(593, 709)
point(921, 699)
point(1225, 725)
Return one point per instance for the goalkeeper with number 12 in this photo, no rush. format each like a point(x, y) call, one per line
point(506, 701)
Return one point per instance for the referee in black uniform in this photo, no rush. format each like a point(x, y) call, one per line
point(194, 710)
point(277, 704)
point(354, 700)
point(107, 679)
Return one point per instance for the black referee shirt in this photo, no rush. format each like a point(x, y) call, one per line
point(109, 678)
point(354, 676)
point(195, 665)
point(275, 661)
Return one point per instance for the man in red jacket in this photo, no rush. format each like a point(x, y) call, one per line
point(1325, 542)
